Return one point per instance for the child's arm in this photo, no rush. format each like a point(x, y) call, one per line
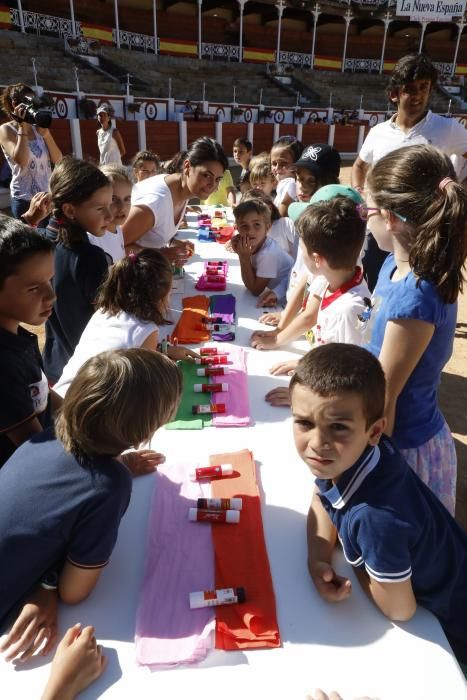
point(35, 625)
point(25, 431)
point(269, 340)
point(254, 284)
point(404, 343)
point(76, 583)
point(321, 537)
point(285, 204)
point(118, 138)
point(396, 600)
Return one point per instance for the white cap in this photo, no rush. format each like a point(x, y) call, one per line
point(225, 387)
point(226, 469)
point(232, 516)
point(236, 503)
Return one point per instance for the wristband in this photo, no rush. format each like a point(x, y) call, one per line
point(50, 581)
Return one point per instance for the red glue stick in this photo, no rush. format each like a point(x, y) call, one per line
point(211, 371)
point(211, 472)
point(213, 360)
point(222, 596)
point(208, 408)
point(214, 516)
point(219, 503)
point(206, 352)
point(210, 388)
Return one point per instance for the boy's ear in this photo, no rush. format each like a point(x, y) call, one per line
point(376, 430)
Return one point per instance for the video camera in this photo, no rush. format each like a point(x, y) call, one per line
point(38, 110)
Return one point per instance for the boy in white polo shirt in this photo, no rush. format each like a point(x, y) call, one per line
point(263, 262)
point(331, 237)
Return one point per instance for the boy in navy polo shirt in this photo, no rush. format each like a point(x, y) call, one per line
point(405, 546)
point(63, 493)
point(26, 296)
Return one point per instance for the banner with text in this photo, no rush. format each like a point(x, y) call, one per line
point(430, 10)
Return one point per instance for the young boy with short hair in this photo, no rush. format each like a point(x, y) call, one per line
point(145, 164)
point(80, 485)
point(26, 296)
point(261, 177)
point(242, 152)
point(404, 545)
point(263, 262)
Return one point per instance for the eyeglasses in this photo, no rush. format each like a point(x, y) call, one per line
point(365, 212)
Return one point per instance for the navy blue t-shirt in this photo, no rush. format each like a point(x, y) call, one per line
point(24, 388)
point(55, 509)
point(391, 523)
point(79, 271)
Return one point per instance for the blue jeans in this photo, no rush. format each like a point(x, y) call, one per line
point(19, 206)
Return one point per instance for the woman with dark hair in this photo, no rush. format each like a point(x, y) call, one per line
point(28, 149)
point(158, 204)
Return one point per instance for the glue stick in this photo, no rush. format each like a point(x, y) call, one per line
point(210, 388)
point(214, 516)
point(211, 472)
point(221, 596)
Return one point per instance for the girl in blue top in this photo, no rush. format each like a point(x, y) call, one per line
point(417, 211)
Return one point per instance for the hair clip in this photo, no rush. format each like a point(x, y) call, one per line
point(59, 221)
point(132, 256)
point(444, 183)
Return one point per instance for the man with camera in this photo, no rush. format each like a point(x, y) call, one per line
point(27, 144)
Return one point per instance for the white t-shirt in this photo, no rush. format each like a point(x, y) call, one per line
point(111, 243)
point(285, 186)
point(283, 231)
point(104, 332)
point(341, 316)
point(274, 264)
point(155, 194)
point(446, 134)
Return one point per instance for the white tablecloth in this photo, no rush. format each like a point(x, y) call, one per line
point(349, 646)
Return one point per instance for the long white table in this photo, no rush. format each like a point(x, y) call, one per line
point(350, 646)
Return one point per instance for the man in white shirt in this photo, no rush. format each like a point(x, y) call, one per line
point(410, 87)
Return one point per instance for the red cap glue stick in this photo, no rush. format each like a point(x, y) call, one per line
point(214, 516)
point(219, 503)
point(213, 360)
point(210, 388)
point(211, 472)
point(200, 409)
point(211, 371)
point(222, 596)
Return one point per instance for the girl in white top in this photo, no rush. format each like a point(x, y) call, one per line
point(158, 203)
point(284, 153)
point(112, 241)
point(109, 140)
point(131, 305)
point(29, 150)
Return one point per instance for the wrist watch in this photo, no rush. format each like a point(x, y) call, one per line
point(50, 581)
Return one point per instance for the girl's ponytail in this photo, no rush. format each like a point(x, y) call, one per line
point(418, 184)
point(138, 285)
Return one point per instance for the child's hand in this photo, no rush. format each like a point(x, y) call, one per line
point(269, 298)
point(330, 586)
point(244, 247)
point(39, 207)
point(264, 340)
point(280, 396)
point(177, 352)
point(35, 625)
point(270, 318)
point(141, 462)
point(288, 367)
point(77, 663)
point(234, 242)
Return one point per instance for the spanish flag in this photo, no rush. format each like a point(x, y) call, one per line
point(461, 70)
point(5, 17)
point(98, 32)
point(259, 55)
point(388, 65)
point(327, 63)
point(178, 47)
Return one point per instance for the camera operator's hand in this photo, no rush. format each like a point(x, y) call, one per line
point(19, 111)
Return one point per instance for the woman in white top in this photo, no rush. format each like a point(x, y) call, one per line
point(131, 305)
point(109, 140)
point(158, 204)
point(28, 149)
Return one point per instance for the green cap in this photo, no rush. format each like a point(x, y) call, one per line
point(323, 195)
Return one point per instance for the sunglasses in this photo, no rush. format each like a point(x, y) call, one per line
point(366, 212)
